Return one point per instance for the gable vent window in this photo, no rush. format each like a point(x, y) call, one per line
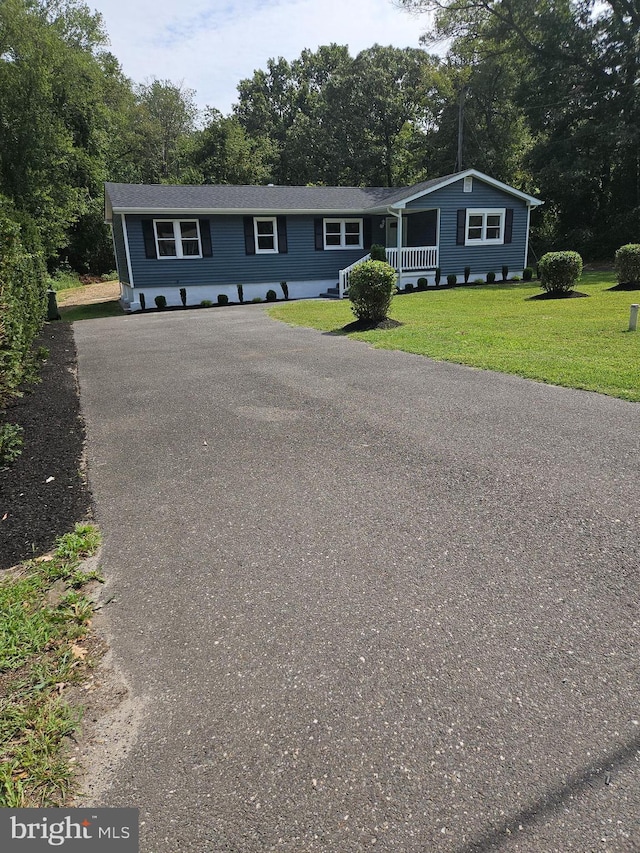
point(177, 238)
point(468, 184)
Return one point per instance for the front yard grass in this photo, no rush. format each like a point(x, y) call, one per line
point(578, 343)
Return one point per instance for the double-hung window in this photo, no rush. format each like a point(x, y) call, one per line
point(177, 238)
point(485, 226)
point(343, 233)
point(265, 229)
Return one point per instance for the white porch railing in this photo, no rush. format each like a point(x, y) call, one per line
point(414, 258)
point(345, 274)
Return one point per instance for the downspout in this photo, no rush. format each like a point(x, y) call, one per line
point(127, 251)
point(526, 242)
point(398, 216)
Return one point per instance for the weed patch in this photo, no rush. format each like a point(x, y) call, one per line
point(43, 651)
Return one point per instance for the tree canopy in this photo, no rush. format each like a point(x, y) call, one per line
point(547, 94)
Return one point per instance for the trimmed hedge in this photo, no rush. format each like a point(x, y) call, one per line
point(372, 286)
point(559, 271)
point(23, 298)
point(628, 264)
point(378, 253)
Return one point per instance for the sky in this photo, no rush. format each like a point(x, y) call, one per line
point(210, 45)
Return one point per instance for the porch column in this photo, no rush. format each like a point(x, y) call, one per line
point(399, 247)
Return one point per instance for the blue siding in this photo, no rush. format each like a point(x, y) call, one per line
point(120, 252)
point(481, 259)
point(230, 265)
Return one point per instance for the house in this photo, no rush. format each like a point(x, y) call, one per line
point(206, 240)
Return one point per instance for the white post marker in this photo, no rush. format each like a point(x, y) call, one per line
point(633, 318)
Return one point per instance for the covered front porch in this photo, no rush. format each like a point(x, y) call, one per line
point(411, 246)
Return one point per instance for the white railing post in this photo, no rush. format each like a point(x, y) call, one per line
point(344, 275)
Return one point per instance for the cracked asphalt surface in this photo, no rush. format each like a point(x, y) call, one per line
point(366, 601)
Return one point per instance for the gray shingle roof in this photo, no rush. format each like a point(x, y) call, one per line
point(152, 198)
point(244, 198)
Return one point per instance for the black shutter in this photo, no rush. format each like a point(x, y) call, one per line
point(366, 232)
point(319, 236)
point(149, 239)
point(249, 239)
point(283, 247)
point(462, 224)
point(205, 237)
point(508, 225)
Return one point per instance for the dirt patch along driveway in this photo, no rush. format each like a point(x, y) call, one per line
point(90, 294)
point(364, 598)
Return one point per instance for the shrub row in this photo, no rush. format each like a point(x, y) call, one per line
point(23, 293)
point(223, 299)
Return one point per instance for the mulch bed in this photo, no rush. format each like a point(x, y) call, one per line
point(367, 326)
point(571, 294)
point(629, 285)
point(33, 512)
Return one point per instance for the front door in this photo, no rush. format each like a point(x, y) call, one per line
point(392, 232)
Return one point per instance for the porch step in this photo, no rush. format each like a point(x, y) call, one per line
point(332, 293)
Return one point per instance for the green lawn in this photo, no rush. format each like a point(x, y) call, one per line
point(92, 311)
point(579, 343)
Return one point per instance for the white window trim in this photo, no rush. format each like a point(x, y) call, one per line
point(177, 238)
point(274, 222)
point(468, 184)
point(343, 244)
point(485, 212)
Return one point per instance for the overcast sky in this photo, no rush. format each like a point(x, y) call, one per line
point(211, 45)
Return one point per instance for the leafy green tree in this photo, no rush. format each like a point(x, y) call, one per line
point(575, 64)
point(335, 119)
point(223, 153)
point(60, 100)
point(166, 116)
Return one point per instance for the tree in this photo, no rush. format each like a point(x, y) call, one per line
point(223, 153)
point(577, 64)
point(334, 119)
point(60, 96)
point(166, 116)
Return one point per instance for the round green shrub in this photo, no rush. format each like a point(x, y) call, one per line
point(491, 277)
point(422, 284)
point(478, 281)
point(408, 288)
point(223, 299)
point(452, 279)
point(378, 253)
point(527, 274)
point(372, 286)
point(206, 303)
point(272, 296)
point(256, 299)
point(161, 302)
point(559, 271)
point(627, 264)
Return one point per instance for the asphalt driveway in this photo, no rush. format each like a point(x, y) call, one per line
point(363, 600)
